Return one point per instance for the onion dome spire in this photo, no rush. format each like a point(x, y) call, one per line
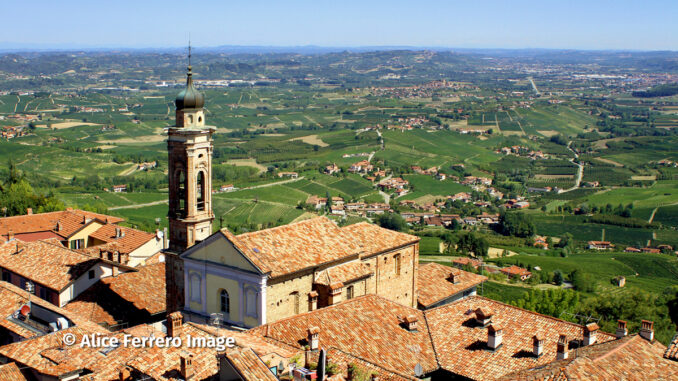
point(189, 97)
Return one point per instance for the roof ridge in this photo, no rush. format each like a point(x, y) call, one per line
point(283, 226)
point(371, 363)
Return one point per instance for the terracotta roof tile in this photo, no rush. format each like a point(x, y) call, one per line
point(11, 372)
point(435, 285)
point(70, 222)
point(367, 327)
point(630, 358)
point(48, 264)
point(128, 297)
point(130, 240)
point(374, 239)
point(344, 273)
point(461, 344)
point(290, 248)
point(249, 366)
point(672, 350)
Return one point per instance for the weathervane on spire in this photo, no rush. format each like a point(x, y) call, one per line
point(189, 53)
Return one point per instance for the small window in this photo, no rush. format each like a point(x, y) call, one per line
point(190, 119)
point(251, 302)
point(77, 244)
point(6, 276)
point(225, 302)
point(44, 293)
point(397, 264)
point(200, 119)
point(349, 292)
point(91, 274)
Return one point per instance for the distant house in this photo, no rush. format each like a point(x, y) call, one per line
point(292, 175)
point(620, 280)
point(227, 188)
point(120, 188)
point(441, 176)
point(650, 250)
point(516, 272)
point(338, 210)
point(332, 169)
point(632, 250)
point(461, 262)
point(600, 245)
point(540, 242)
point(317, 202)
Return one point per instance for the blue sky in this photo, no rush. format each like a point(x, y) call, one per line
point(573, 24)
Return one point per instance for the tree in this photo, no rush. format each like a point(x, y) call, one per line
point(558, 277)
point(391, 221)
point(516, 224)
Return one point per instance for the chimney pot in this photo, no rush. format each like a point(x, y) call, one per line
point(312, 301)
point(10, 235)
point(29, 211)
point(537, 346)
point(484, 316)
point(562, 348)
point(647, 330)
point(495, 334)
point(590, 333)
point(124, 374)
point(411, 322)
point(175, 324)
point(453, 278)
point(622, 331)
point(186, 364)
point(313, 333)
point(117, 232)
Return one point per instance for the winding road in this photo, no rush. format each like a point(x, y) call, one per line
point(580, 171)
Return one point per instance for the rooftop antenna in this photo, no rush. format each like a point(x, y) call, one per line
point(189, 52)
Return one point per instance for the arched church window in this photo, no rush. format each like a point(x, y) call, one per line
point(190, 119)
point(224, 302)
point(182, 191)
point(201, 190)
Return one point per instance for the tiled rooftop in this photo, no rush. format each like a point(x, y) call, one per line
point(70, 221)
point(286, 249)
point(368, 327)
point(249, 366)
point(130, 240)
point(434, 283)
point(12, 298)
point(672, 350)
point(48, 264)
point(461, 344)
point(344, 273)
point(631, 358)
point(11, 372)
point(131, 296)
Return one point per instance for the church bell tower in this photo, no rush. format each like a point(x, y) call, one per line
point(189, 145)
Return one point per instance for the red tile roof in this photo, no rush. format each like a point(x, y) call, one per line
point(11, 372)
point(13, 297)
point(460, 343)
point(249, 366)
point(434, 283)
point(70, 221)
point(48, 264)
point(344, 273)
point(132, 296)
point(367, 327)
point(672, 350)
point(130, 239)
point(630, 358)
point(290, 248)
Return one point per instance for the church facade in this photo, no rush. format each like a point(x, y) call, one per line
point(264, 276)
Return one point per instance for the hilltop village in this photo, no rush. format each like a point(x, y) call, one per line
point(305, 300)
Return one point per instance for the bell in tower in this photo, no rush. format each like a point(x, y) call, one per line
point(189, 145)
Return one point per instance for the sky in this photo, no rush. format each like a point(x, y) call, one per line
point(573, 24)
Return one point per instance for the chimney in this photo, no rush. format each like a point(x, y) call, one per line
point(484, 316)
point(647, 330)
point(375, 377)
point(186, 364)
point(165, 238)
point(312, 338)
point(410, 322)
point(562, 348)
point(537, 345)
point(124, 374)
point(453, 278)
point(29, 211)
point(84, 220)
point(117, 233)
point(335, 293)
point(115, 270)
point(590, 333)
point(312, 301)
point(174, 324)
point(622, 331)
point(58, 227)
point(495, 334)
point(10, 235)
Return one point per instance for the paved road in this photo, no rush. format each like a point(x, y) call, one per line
point(137, 206)
point(580, 171)
point(272, 184)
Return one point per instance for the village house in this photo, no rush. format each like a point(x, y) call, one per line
point(120, 188)
point(332, 169)
point(465, 261)
point(363, 166)
point(540, 242)
point(291, 175)
point(227, 188)
point(514, 271)
point(317, 202)
point(55, 273)
point(440, 285)
point(600, 245)
point(264, 276)
point(95, 234)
